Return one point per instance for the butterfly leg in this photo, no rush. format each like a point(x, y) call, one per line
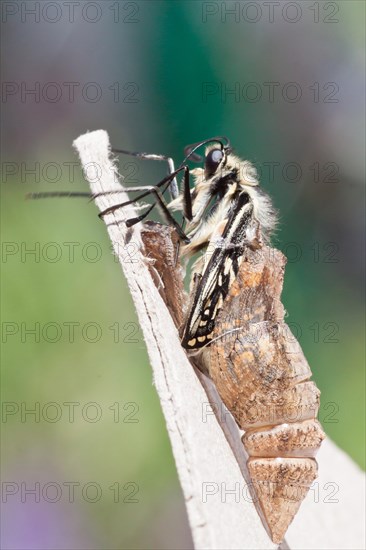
point(173, 188)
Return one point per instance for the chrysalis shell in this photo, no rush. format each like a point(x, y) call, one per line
point(262, 377)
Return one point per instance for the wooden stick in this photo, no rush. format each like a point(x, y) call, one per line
point(208, 453)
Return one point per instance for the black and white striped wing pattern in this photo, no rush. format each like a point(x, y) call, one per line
point(217, 277)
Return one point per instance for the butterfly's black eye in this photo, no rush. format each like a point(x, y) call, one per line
point(212, 161)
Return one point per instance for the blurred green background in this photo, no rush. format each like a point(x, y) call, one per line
point(158, 76)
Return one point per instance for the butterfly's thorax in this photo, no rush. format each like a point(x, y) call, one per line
point(210, 213)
